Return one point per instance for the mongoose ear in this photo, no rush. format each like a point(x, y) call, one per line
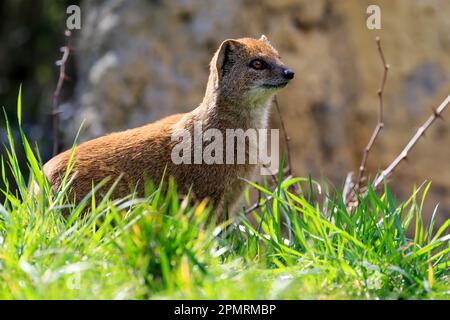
point(264, 38)
point(221, 56)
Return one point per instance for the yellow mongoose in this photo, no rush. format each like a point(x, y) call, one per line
point(244, 76)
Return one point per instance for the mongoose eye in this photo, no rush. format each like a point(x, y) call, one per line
point(258, 64)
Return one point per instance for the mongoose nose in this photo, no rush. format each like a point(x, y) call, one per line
point(288, 74)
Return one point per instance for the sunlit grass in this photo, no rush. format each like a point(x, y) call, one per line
point(303, 245)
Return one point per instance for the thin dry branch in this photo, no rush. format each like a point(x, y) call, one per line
point(274, 175)
point(260, 203)
point(56, 95)
point(380, 123)
point(287, 139)
point(437, 113)
point(257, 205)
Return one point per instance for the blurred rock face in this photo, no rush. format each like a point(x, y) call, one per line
point(141, 60)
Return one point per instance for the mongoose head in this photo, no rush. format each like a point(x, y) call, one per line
point(248, 71)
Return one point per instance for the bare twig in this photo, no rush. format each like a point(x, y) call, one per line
point(274, 175)
point(437, 113)
point(259, 204)
point(287, 139)
point(56, 95)
point(380, 123)
point(350, 197)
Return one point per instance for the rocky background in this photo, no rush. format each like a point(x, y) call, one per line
point(137, 61)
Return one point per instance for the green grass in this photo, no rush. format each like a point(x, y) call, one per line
point(303, 245)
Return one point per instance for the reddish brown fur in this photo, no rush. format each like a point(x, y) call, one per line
point(233, 99)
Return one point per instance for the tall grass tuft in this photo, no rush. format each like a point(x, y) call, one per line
point(296, 245)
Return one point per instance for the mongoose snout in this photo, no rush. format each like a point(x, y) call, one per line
point(288, 74)
point(244, 76)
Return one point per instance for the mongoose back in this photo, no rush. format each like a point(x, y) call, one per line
point(244, 76)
